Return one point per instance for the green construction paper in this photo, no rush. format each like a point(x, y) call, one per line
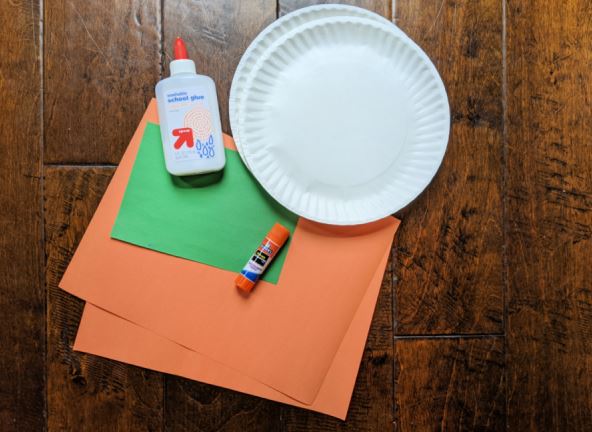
point(217, 219)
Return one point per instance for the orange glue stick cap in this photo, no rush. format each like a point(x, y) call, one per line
point(244, 284)
point(264, 254)
point(278, 234)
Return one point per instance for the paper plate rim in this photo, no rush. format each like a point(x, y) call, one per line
point(436, 160)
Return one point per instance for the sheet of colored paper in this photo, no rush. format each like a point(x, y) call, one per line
point(107, 335)
point(283, 335)
point(218, 219)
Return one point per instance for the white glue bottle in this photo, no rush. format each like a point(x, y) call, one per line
point(189, 119)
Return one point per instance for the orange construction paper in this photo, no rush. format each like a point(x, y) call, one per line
point(284, 335)
point(104, 334)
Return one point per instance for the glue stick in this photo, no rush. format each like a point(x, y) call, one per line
point(260, 260)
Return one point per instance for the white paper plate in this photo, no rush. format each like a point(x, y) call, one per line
point(271, 34)
point(343, 120)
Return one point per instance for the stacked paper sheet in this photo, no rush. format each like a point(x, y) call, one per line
point(299, 341)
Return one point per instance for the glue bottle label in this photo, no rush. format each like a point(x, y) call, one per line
point(260, 260)
point(190, 124)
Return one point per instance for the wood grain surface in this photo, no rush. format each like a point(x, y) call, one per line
point(381, 7)
point(192, 406)
point(102, 60)
point(450, 249)
point(549, 215)
point(484, 320)
point(450, 384)
point(22, 297)
point(83, 390)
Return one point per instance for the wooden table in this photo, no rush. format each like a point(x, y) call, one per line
point(484, 320)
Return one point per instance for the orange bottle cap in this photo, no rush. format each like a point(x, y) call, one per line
point(278, 234)
point(180, 49)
